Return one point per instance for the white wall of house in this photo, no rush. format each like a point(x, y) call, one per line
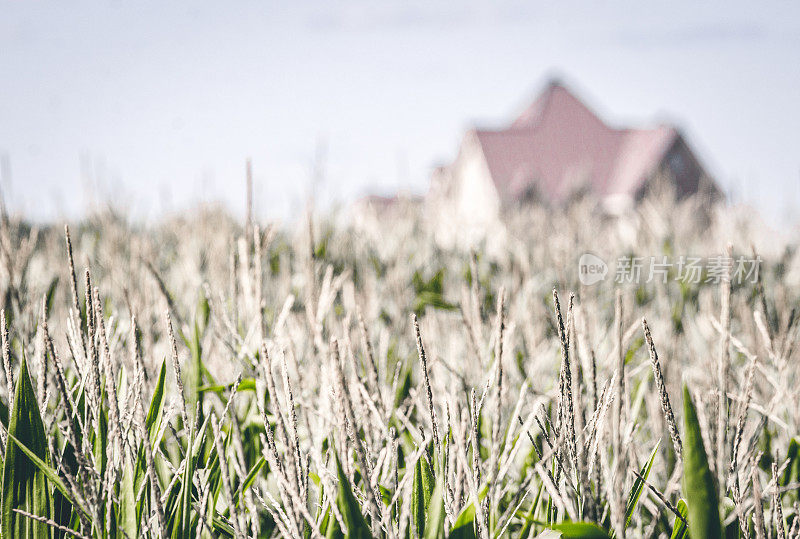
point(465, 202)
point(477, 199)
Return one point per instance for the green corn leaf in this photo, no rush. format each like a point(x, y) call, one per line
point(4, 414)
point(464, 526)
point(323, 524)
point(99, 440)
point(581, 530)
point(679, 530)
point(51, 293)
point(222, 527)
point(196, 349)
point(180, 520)
point(200, 442)
point(154, 413)
point(24, 483)
point(247, 384)
point(350, 510)
point(202, 313)
point(638, 486)
point(421, 491)
point(403, 387)
point(698, 484)
point(794, 472)
point(214, 483)
point(386, 494)
point(127, 502)
point(181, 516)
point(63, 512)
point(152, 421)
point(434, 521)
point(794, 458)
point(48, 471)
point(529, 517)
point(152, 424)
point(252, 475)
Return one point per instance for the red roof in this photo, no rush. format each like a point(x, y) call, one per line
point(557, 145)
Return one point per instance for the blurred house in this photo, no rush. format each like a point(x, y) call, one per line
point(380, 204)
point(557, 149)
point(369, 210)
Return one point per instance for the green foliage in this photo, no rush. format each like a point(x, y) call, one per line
point(698, 483)
point(430, 293)
point(581, 530)
point(529, 516)
point(638, 486)
point(404, 387)
point(464, 526)
point(791, 474)
point(679, 529)
point(152, 424)
point(247, 384)
point(421, 492)
point(434, 520)
point(350, 510)
point(24, 483)
point(636, 345)
point(128, 522)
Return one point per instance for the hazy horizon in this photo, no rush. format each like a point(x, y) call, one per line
point(156, 107)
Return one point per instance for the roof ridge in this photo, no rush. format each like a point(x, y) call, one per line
point(544, 104)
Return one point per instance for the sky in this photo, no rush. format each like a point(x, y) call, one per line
point(155, 106)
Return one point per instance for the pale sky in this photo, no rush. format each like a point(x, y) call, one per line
point(155, 105)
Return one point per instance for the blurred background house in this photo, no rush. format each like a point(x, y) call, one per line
point(369, 211)
point(558, 149)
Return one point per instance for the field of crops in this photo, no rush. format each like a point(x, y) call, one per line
point(202, 377)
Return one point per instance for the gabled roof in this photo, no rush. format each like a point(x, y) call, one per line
point(558, 145)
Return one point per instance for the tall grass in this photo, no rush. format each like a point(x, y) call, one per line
point(363, 379)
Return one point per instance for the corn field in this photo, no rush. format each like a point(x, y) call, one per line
point(333, 377)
